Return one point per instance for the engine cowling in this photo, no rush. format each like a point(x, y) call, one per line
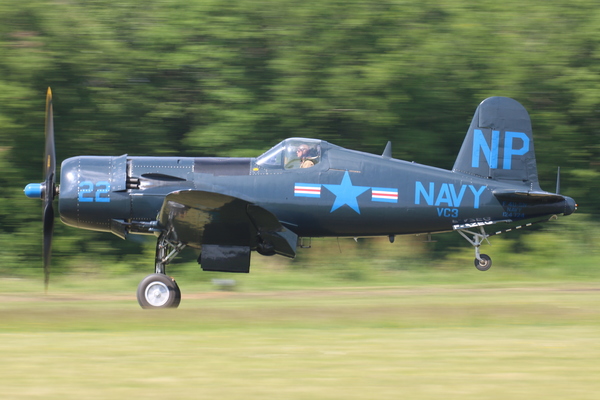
point(93, 192)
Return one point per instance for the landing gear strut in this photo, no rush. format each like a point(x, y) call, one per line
point(159, 290)
point(483, 262)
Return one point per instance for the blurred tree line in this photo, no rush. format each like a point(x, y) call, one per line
point(234, 77)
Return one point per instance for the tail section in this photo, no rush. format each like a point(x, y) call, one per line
point(499, 144)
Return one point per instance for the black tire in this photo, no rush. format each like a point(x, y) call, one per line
point(484, 264)
point(158, 291)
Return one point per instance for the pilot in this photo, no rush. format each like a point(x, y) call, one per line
point(306, 159)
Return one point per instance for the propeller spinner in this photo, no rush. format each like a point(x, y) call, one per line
point(47, 190)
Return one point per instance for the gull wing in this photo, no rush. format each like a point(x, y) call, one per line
point(201, 218)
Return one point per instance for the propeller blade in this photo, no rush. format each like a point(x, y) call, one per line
point(47, 190)
point(49, 187)
point(50, 153)
point(48, 233)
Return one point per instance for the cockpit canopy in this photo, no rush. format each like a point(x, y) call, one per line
point(292, 153)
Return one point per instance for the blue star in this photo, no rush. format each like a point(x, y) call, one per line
point(345, 193)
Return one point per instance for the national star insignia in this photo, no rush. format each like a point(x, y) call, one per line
point(346, 193)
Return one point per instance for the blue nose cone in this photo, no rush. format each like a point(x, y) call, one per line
point(33, 190)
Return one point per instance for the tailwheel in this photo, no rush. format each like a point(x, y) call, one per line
point(483, 263)
point(158, 291)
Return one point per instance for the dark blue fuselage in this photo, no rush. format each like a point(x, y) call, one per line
point(347, 193)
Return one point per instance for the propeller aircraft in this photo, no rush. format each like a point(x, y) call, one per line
point(301, 188)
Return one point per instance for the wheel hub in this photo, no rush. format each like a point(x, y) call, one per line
point(157, 294)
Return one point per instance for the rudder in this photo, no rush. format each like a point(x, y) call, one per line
point(499, 144)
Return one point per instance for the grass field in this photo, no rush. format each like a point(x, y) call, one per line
point(452, 341)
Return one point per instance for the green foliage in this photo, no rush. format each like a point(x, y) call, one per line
point(232, 78)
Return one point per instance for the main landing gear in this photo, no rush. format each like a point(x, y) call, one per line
point(483, 262)
point(159, 290)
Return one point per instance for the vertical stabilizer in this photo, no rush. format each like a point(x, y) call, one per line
point(499, 144)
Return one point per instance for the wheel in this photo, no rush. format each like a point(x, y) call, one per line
point(158, 291)
point(484, 264)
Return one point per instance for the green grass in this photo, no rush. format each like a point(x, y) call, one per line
point(344, 320)
point(88, 339)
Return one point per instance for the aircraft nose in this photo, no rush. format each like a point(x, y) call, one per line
point(33, 190)
point(570, 206)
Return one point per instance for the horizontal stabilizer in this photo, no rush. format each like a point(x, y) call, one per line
point(527, 196)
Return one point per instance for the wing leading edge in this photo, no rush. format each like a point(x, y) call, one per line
point(225, 228)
